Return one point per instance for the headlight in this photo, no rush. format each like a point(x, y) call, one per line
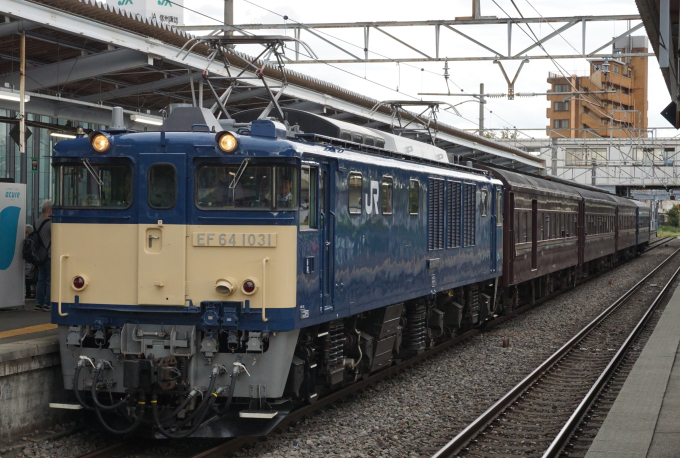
point(100, 143)
point(225, 286)
point(228, 142)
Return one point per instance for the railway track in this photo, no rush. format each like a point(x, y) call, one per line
point(130, 446)
point(658, 242)
point(538, 417)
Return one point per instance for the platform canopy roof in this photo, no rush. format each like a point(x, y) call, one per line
point(85, 57)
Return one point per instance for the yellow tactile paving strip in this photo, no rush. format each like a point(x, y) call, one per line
point(28, 330)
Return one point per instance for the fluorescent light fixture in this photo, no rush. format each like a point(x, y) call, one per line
point(13, 96)
point(61, 135)
point(153, 120)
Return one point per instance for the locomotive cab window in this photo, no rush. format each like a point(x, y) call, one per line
point(483, 202)
point(386, 195)
point(87, 185)
point(161, 184)
point(308, 185)
point(246, 187)
point(355, 184)
point(413, 197)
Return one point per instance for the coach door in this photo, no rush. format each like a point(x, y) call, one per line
point(162, 230)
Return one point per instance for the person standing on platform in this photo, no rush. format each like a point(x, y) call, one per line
point(42, 290)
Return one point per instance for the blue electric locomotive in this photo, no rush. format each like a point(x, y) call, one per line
point(258, 266)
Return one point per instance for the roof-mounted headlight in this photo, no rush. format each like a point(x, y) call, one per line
point(100, 142)
point(227, 142)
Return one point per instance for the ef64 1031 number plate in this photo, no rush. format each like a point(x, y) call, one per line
point(222, 239)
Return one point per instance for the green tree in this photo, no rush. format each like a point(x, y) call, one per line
point(673, 217)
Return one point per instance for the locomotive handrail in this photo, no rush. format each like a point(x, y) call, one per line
point(264, 284)
point(61, 259)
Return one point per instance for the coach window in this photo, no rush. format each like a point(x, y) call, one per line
point(386, 195)
point(357, 138)
point(308, 185)
point(547, 226)
point(355, 184)
point(161, 190)
point(344, 135)
point(369, 141)
point(483, 201)
point(413, 197)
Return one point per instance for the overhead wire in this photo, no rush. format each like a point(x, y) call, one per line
point(570, 45)
point(422, 69)
point(311, 57)
point(596, 104)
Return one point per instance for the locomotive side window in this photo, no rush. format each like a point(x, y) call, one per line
point(413, 197)
point(308, 185)
point(386, 195)
point(161, 191)
point(246, 187)
point(100, 186)
point(354, 192)
point(483, 201)
point(499, 207)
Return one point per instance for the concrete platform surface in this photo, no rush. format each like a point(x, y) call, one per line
point(25, 323)
point(644, 421)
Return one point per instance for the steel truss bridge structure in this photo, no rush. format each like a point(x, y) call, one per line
point(454, 26)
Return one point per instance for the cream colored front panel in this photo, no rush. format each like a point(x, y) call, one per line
point(161, 272)
point(242, 258)
point(104, 254)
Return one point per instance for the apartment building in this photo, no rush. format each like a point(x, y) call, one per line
point(595, 114)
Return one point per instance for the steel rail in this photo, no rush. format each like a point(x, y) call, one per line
point(456, 444)
point(565, 433)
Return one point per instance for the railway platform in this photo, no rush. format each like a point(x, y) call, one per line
point(644, 421)
point(25, 323)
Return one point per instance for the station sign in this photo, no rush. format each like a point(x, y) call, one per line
point(168, 12)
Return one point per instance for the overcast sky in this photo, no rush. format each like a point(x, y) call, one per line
point(410, 79)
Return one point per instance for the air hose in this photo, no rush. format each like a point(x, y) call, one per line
point(76, 377)
point(199, 414)
point(95, 398)
point(141, 408)
point(225, 407)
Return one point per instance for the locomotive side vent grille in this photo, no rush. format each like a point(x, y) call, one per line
point(454, 210)
point(435, 215)
point(469, 215)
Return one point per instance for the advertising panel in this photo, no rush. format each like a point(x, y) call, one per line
point(12, 226)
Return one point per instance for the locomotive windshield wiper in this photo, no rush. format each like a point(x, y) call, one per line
point(90, 169)
point(239, 172)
